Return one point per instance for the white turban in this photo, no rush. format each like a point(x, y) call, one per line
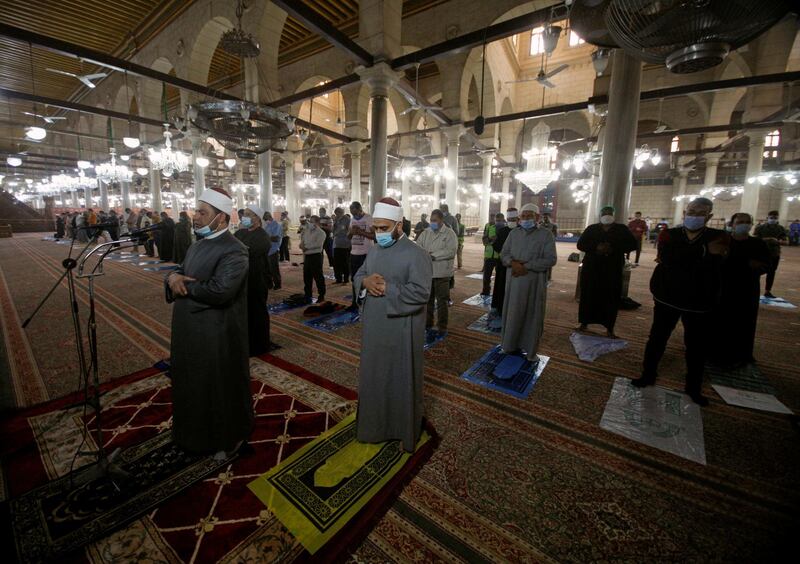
point(217, 199)
point(512, 214)
point(387, 211)
point(530, 207)
point(256, 210)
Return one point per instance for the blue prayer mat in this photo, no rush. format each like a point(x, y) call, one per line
point(334, 321)
point(484, 325)
point(432, 336)
point(282, 307)
point(160, 268)
point(777, 302)
point(519, 385)
point(481, 301)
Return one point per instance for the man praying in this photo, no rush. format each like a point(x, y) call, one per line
point(441, 243)
point(211, 400)
point(527, 254)
point(393, 285)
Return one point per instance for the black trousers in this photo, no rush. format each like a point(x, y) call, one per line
point(489, 264)
point(312, 272)
point(438, 301)
point(355, 263)
point(328, 248)
point(499, 292)
point(695, 339)
point(283, 253)
point(341, 264)
point(638, 251)
point(773, 266)
point(274, 271)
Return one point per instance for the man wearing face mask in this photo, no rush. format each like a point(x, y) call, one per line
point(257, 241)
point(685, 286)
point(312, 242)
point(774, 235)
point(275, 233)
point(441, 243)
point(748, 260)
point(527, 254)
point(502, 228)
point(211, 404)
point(491, 258)
point(393, 284)
point(605, 245)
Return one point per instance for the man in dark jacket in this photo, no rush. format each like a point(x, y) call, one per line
point(685, 286)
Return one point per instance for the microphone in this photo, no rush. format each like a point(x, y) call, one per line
point(142, 233)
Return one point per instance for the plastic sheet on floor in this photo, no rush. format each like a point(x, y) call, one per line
point(589, 347)
point(476, 276)
point(753, 400)
point(777, 302)
point(282, 307)
point(656, 417)
point(747, 377)
point(479, 301)
point(518, 385)
point(486, 325)
point(334, 321)
point(432, 337)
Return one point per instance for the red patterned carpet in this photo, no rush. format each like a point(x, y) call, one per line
point(513, 480)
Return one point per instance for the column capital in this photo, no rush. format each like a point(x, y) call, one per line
point(380, 77)
point(757, 136)
point(487, 156)
point(712, 159)
point(453, 133)
point(196, 136)
point(355, 148)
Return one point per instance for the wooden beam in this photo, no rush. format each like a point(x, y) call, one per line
point(322, 27)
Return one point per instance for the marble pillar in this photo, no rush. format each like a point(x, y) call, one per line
point(486, 187)
point(679, 189)
point(198, 172)
point(755, 160)
point(155, 191)
point(505, 193)
point(453, 134)
point(103, 188)
point(265, 181)
point(125, 188)
point(355, 148)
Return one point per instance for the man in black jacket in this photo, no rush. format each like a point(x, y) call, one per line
point(685, 286)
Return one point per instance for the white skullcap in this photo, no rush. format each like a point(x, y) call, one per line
point(387, 211)
point(256, 210)
point(512, 214)
point(217, 199)
point(530, 207)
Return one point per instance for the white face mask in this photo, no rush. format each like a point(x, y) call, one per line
point(607, 219)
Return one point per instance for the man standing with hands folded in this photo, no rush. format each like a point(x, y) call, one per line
point(393, 285)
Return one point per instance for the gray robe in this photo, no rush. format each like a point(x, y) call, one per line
point(526, 296)
point(390, 376)
point(211, 399)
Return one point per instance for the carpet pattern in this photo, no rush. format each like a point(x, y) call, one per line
point(512, 480)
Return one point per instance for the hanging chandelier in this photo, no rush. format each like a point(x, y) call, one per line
point(418, 173)
point(238, 42)
point(581, 191)
point(166, 160)
point(724, 193)
point(320, 182)
point(111, 172)
point(538, 173)
point(69, 183)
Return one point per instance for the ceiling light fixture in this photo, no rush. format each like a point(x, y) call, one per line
point(167, 160)
point(14, 161)
point(141, 171)
point(84, 165)
point(111, 172)
point(230, 163)
point(202, 162)
point(35, 133)
point(131, 142)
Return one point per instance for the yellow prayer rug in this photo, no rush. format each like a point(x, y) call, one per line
point(317, 490)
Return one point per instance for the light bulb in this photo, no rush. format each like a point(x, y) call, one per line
point(202, 162)
point(577, 164)
point(14, 161)
point(565, 164)
point(35, 133)
point(84, 164)
point(125, 158)
point(141, 171)
point(638, 164)
point(230, 163)
point(397, 173)
point(655, 157)
point(131, 142)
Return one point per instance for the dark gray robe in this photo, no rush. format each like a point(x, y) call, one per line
point(390, 375)
point(211, 399)
point(526, 296)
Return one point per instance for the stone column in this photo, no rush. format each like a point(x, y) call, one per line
point(486, 188)
point(505, 194)
point(712, 163)
point(75, 203)
point(292, 208)
point(355, 148)
point(176, 210)
point(198, 172)
point(755, 158)
point(103, 187)
point(265, 181)
point(616, 166)
point(518, 196)
point(453, 133)
point(437, 191)
point(125, 188)
point(155, 190)
point(679, 189)
point(379, 77)
point(87, 195)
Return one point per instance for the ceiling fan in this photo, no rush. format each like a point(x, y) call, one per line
point(47, 119)
point(662, 127)
point(415, 103)
point(543, 77)
point(84, 78)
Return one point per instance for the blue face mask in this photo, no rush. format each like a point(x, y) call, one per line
point(772, 220)
point(742, 228)
point(435, 225)
point(694, 222)
point(499, 224)
point(528, 223)
point(206, 230)
point(246, 222)
point(385, 240)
